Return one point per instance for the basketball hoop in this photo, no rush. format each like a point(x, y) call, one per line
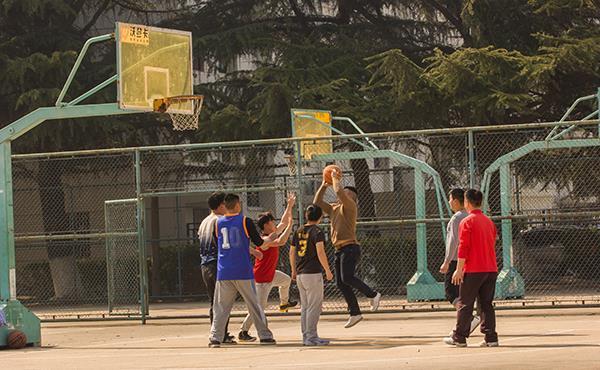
point(184, 110)
point(291, 163)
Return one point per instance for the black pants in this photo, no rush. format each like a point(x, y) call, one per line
point(346, 260)
point(451, 289)
point(480, 285)
point(209, 275)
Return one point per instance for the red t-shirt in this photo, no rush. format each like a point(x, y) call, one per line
point(477, 235)
point(264, 269)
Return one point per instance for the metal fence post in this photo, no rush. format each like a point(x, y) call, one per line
point(7, 241)
point(300, 195)
point(420, 214)
point(506, 206)
point(140, 212)
point(471, 144)
point(598, 107)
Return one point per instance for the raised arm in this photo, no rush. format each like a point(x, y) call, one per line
point(318, 200)
point(286, 219)
point(279, 241)
point(339, 190)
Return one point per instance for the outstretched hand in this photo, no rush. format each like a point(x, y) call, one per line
point(291, 200)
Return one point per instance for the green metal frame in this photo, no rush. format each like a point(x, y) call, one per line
point(510, 283)
point(18, 316)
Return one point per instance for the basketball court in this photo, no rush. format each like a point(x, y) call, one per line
point(532, 339)
point(154, 74)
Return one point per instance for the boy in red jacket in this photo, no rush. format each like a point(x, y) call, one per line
point(476, 273)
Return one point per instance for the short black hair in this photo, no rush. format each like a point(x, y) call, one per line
point(352, 189)
point(264, 218)
point(474, 196)
point(215, 200)
point(231, 200)
point(313, 212)
point(458, 194)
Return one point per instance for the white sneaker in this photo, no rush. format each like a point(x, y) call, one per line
point(353, 320)
point(489, 344)
point(375, 302)
point(475, 323)
point(451, 342)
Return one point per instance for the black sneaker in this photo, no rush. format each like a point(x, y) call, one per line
point(287, 306)
point(214, 344)
point(245, 337)
point(270, 341)
point(229, 339)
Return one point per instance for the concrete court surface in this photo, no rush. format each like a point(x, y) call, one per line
point(530, 339)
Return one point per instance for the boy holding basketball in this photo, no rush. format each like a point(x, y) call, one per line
point(234, 271)
point(343, 214)
point(308, 260)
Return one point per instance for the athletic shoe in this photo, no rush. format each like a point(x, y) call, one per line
point(229, 339)
point(375, 302)
point(287, 306)
point(214, 344)
point(316, 342)
point(245, 337)
point(489, 344)
point(323, 342)
point(475, 323)
point(451, 342)
point(353, 320)
point(268, 341)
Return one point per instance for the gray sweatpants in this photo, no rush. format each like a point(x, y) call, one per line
point(225, 293)
point(280, 280)
point(311, 300)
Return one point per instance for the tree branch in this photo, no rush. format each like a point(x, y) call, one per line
point(95, 17)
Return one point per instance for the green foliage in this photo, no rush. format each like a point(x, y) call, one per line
point(391, 65)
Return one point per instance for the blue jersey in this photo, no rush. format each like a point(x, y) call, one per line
point(234, 249)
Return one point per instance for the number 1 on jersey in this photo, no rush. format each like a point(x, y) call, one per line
point(225, 233)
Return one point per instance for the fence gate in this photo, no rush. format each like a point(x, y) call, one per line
point(124, 258)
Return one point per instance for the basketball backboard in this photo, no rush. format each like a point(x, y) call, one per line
point(311, 123)
point(153, 63)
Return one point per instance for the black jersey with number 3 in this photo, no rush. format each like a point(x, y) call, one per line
point(305, 240)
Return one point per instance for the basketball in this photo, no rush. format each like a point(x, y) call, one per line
point(16, 339)
point(327, 172)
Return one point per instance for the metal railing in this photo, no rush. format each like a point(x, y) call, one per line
point(62, 235)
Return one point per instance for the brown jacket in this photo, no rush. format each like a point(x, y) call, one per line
point(342, 216)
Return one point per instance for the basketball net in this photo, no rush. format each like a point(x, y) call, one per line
point(291, 163)
point(178, 108)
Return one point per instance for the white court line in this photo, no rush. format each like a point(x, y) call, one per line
point(485, 352)
point(548, 334)
point(170, 352)
point(50, 331)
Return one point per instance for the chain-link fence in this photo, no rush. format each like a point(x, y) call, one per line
point(77, 244)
